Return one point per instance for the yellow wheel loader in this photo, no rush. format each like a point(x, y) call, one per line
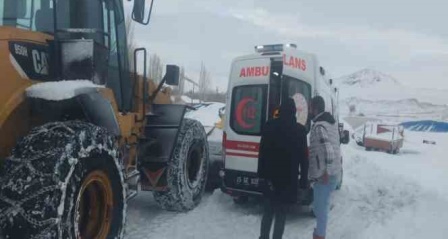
point(80, 132)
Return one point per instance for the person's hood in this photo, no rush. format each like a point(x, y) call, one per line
point(288, 110)
point(326, 117)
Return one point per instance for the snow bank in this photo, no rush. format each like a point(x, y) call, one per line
point(186, 98)
point(59, 90)
point(207, 114)
point(427, 167)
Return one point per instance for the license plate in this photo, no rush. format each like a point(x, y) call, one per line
point(244, 180)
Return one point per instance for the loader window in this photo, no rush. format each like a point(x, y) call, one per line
point(118, 58)
point(248, 111)
point(35, 15)
point(126, 87)
point(92, 10)
point(114, 70)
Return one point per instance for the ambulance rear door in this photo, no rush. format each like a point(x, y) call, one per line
point(298, 82)
point(247, 104)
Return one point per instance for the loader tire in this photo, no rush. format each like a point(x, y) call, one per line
point(187, 169)
point(63, 180)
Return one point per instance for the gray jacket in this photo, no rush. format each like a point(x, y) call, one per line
point(325, 150)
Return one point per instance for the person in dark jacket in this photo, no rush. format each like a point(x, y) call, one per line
point(283, 148)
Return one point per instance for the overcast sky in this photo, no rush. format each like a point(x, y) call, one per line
point(407, 39)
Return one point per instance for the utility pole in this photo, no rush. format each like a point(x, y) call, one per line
point(195, 84)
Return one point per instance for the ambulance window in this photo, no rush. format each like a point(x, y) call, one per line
point(300, 92)
point(248, 111)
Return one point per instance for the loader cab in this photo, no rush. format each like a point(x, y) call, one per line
point(98, 27)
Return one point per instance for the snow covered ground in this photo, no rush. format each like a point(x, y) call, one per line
point(383, 196)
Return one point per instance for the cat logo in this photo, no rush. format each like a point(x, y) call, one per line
point(40, 62)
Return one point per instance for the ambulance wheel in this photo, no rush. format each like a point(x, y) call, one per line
point(240, 200)
point(187, 169)
point(63, 180)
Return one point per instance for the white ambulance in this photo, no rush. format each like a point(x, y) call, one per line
point(258, 84)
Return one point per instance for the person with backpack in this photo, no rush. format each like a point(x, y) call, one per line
point(283, 148)
point(325, 162)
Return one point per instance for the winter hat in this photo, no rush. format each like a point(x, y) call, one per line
point(318, 103)
point(288, 108)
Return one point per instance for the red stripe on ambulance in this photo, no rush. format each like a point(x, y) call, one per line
point(241, 145)
point(242, 155)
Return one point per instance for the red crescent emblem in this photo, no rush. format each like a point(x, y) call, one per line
point(240, 110)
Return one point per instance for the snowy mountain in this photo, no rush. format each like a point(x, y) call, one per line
point(367, 78)
point(372, 93)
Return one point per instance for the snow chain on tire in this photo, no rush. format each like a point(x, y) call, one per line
point(42, 178)
point(182, 195)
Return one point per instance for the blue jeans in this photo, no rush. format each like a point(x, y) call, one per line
point(321, 204)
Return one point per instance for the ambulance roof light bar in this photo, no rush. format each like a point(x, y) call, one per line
point(273, 47)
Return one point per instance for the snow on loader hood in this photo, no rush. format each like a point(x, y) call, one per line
point(60, 90)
